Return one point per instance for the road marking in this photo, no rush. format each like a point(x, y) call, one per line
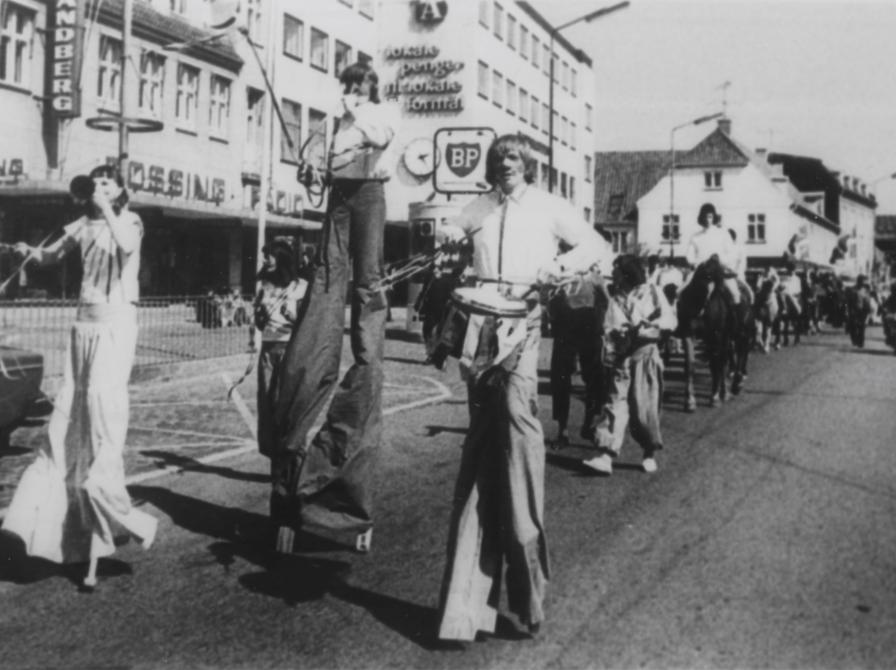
point(241, 406)
point(172, 431)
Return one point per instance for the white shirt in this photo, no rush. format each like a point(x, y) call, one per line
point(792, 285)
point(360, 147)
point(738, 260)
point(645, 304)
point(711, 240)
point(669, 274)
point(533, 227)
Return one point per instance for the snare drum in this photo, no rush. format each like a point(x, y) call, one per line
point(464, 303)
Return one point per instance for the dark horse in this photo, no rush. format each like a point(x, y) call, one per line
point(727, 331)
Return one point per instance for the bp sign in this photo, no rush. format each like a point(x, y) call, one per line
point(460, 160)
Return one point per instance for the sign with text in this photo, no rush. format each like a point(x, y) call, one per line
point(65, 32)
point(460, 160)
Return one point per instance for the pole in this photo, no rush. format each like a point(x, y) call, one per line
point(551, 115)
point(266, 153)
point(123, 139)
point(672, 197)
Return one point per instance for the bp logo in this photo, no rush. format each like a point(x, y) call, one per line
point(462, 157)
point(427, 11)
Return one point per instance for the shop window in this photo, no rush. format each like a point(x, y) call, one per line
point(219, 106)
point(108, 89)
point(152, 84)
point(293, 37)
point(292, 119)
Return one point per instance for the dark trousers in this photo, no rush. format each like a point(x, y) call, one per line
point(575, 333)
point(326, 485)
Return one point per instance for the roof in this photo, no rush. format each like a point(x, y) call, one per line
point(811, 174)
point(621, 178)
point(817, 219)
point(717, 149)
point(160, 28)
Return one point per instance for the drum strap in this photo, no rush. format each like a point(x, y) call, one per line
point(501, 238)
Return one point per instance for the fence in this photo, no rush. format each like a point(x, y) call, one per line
point(171, 329)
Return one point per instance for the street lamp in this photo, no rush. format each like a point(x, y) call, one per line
point(695, 122)
point(587, 18)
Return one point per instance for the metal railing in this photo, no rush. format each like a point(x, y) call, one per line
point(171, 329)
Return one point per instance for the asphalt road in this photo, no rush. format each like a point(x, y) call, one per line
point(766, 540)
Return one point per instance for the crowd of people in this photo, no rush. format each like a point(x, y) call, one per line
point(612, 316)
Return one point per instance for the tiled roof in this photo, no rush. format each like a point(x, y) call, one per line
point(716, 150)
point(621, 178)
point(154, 26)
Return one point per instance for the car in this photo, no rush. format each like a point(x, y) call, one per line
point(21, 374)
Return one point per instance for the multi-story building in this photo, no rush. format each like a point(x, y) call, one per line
point(203, 132)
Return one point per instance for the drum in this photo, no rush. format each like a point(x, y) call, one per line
point(465, 302)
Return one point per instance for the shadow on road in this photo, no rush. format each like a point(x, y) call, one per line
point(294, 579)
point(432, 431)
point(168, 459)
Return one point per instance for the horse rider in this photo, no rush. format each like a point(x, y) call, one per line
point(792, 289)
point(712, 240)
point(739, 266)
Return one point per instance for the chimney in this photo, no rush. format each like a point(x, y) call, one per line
point(846, 181)
point(863, 188)
point(725, 125)
point(761, 152)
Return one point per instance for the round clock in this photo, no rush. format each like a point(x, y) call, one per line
point(418, 157)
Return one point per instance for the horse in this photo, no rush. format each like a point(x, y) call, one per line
point(766, 310)
point(727, 330)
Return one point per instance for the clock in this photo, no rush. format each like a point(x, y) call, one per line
point(418, 157)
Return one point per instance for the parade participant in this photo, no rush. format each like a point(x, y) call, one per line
point(327, 483)
point(575, 328)
point(858, 308)
point(276, 308)
point(712, 240)
point(739, 265)
point(637, 315)
point(499, 495)
point(792, 288)
point(71, 505)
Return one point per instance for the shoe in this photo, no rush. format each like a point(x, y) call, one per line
point(534, 629)
point(362, 542)
point(649, 464)
point(587, 433)
point(602, 464)
point(561, 441)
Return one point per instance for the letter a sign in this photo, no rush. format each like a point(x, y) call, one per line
point(460, 160)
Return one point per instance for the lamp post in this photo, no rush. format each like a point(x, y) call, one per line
point(695, 122)
point(587, 18)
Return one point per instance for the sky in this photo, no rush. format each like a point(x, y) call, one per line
point(810, 77)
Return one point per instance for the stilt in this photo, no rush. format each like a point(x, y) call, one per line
point(90, 579)
point(286, 538)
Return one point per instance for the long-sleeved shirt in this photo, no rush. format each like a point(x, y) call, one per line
point(110, 262)
point(711, 240)
point(519, 234)
point(360, 147)
point(645, 306)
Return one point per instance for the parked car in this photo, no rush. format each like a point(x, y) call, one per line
point(21, 374)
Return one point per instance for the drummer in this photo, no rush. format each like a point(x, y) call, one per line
point(499, 494)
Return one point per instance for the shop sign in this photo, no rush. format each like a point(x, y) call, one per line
point(175, 183)
point(428, 12)
point(65, 30)
point(11, 170)
point(279, 202)
point(423, 80)
point(461, 152)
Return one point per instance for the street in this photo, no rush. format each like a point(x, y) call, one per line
point(766, 540)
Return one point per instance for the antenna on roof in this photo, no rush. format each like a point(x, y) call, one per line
point(724, 86)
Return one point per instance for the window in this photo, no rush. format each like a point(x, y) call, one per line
point(108, 88)
point(524, 42)
point(293, 37)
point(524, 105)
point(177, 6)
point(483, 80)
point(317, 123)
point(755, 228)
point(253, 20)
point(511, 32)
point(347, 3)
point(553, 178)
point(497, 89)
point(588, 168)
point(564, 130)
point(365, 8)
point(254, 116)
point(511, 98)
point(545, 116)
point(573, 81)
point(572, 134)
point(670, 228)
point(152, 83)
point(364, 59)
point(536, 50)
point(546, 59)
point(342, 57)
point(588, 112)
point(587, 214)
point(533, 117)
point(614, 206)
point(555, 124)
point(187, 103)
point(564, 77)
point(572, 188)
point(16, 38)
point(498, 26)
point(563, 191)
point(544, 176)
point(219, 106)
point(292, 118)
point(320, 47)
point(483, 13)
point(712, 180)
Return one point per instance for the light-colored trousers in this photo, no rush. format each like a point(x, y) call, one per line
point(499, 504)
point(636, 395)
point(71, 504)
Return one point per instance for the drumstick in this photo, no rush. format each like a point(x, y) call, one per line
point(23, 263)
